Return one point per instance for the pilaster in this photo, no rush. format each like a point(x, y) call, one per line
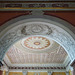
point(24, 72)
point(7, 73)
point(73, 65)
point(49, 73)
point(67, 73)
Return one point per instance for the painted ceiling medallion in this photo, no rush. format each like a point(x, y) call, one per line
point(36, 42)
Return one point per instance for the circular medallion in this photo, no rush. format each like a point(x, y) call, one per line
point(36, 42)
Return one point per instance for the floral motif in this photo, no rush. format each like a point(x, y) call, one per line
point(36, 42)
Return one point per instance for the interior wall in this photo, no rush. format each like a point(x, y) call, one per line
point(15, 73)
point(29, 73)
point(58, 73)
point(33, 73)
point(68, 16)
point(1, 72)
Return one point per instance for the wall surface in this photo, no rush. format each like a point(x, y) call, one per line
point(29, 73)
point(68, 16)
point(33, 73)
point(1, 72)
point(58, 73)
point(15, 73)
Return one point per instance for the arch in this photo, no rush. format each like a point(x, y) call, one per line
point(49, 26)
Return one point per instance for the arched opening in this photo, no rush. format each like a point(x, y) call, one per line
point(47, 28)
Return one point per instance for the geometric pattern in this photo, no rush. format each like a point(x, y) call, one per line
point(36, 42)
point(18, 56)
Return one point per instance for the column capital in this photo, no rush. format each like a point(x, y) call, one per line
point(25, 71)
point(67, 71)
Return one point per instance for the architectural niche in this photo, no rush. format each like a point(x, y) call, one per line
point(35, 27)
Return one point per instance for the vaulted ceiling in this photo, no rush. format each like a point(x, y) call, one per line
point(35, 50)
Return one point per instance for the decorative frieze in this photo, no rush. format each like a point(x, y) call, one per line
point(36, 29)
point(36, 5)
point(37, 68)
point(39, 5)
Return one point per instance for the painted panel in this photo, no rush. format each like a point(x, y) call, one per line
point(59, 73)
point(15, 73)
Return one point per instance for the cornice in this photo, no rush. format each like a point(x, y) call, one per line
point(48, 71)
point(30, 5)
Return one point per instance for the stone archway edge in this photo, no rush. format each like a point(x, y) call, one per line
point(22, 28)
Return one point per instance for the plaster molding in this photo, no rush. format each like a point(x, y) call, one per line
point(6, 60)
point(45, 5)
point(38, 70)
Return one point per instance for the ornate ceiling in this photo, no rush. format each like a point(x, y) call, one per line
point(36, 50)
point(36, 42)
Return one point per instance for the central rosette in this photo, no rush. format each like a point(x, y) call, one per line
point(36, 42)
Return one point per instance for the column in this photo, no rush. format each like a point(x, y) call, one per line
point(67, 73)
point(7, 72)
point(73, 65)
point(24, 72)
point(49, 73)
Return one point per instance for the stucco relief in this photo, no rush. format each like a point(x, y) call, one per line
point(19, 32)
point(66, 40)
point(36, 29)
point(7, 40)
